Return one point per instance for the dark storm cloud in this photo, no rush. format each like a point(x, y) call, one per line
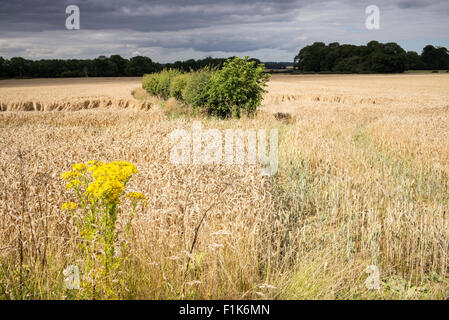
point(40, 15)
point(168, 30)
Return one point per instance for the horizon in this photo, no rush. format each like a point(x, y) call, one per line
point(187, 58)
point(169, 31)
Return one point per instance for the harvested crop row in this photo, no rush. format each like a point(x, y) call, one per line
point(75, 105)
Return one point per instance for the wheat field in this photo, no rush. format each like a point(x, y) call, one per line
point(362, 180)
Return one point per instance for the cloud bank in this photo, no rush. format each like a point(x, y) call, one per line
point(172, 30)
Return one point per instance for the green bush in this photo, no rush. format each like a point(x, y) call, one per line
point(237, 88)
point(195, 92)
point(163, 82)
point(178, 84)
point(234, 90)
point(158, 84)
point(149, 83)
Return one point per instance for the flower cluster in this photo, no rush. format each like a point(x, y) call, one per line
point(70, 206)
point(72, 178)
point(137, 197)
point(110, 180)
point(99, 186)
point(106, 181)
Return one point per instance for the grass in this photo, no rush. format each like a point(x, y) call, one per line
point(359, 184)
point(140, 94)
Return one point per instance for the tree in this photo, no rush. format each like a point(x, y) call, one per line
point(374, 57)
point(237, 88)
point(309, 58)
point(387, 58)
point(120, 64)
point(435, 58)
point(3, 68)
point(414, 61)
point(19, 67)
point(138, 66)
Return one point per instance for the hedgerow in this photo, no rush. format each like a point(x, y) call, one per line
point(237, 88)
point(158, 84)
point(195, 93)
point(178, 85)
point(234, 90)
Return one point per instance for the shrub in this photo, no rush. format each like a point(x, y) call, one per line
point(234, 90)
point(158, 84)
point(237, 88)
point(177, 86)
point(195, 92)
point(149, 83)
point(164, 79)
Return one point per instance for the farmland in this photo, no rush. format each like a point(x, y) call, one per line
point(362, 180)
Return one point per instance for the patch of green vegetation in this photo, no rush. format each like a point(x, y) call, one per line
point(233, 91)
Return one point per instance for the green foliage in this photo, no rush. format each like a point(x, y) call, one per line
point(435, 58)
point(114, 66)
point(374, 57)
point(158, 84)
point(234, 90)
point(139, 65)
point(177, 86)
point(3, 68)
point(149, 83)
point(195, 92)
point(164, 79)
point(414, 61)
point(237, 88)
point(195, 65)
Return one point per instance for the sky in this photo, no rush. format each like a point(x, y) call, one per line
point(170, 30)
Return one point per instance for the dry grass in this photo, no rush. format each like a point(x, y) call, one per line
point(363, 179)
point(69, 94)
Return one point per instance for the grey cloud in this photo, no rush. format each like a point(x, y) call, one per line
point(40, 15)
point(413, 4)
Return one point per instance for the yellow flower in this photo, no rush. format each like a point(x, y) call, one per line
point(71, 206)
point(108, 180)
point(73, 184)
point(79, 167)
point(117, 170)
point(109, 190)
point(135, 196)
point(70, 175)
point(93, 164)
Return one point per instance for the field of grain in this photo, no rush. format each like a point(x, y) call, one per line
point(69, 94)
point(362, 180)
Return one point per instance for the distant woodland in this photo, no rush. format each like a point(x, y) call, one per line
point(373, 57)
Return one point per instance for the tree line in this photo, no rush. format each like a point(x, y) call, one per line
point(113, 66)
point(195, 65)
point(374, 57)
